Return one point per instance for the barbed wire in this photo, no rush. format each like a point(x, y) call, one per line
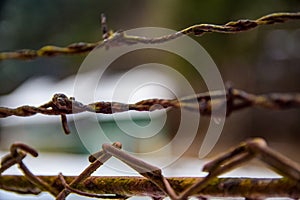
point(117, 38)
point(234, 99)
point(153, 183)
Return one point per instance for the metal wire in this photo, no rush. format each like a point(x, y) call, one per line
point(153, 183)
point(120, 38)
point(234, 99)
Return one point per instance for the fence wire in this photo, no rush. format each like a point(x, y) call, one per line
point(234, 100)
point(153, 183)
point(120, 38)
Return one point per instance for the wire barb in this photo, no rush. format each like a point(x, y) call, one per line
point(120, 38)
point(18, 152)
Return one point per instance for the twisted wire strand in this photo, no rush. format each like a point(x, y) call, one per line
point(120, 38)
point(236, 100)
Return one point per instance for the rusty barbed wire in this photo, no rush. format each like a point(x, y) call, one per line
point(120, 38)
point(153, 183)
point(234, 99)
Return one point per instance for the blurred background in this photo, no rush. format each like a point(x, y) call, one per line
point(263, 60)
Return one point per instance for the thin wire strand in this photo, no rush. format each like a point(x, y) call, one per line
point(234, 99)
point(120, 38)
point(62, 105)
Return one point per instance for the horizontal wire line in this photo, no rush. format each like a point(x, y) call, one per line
point(120, 38)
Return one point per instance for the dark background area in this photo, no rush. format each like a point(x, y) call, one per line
point(263, 60)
